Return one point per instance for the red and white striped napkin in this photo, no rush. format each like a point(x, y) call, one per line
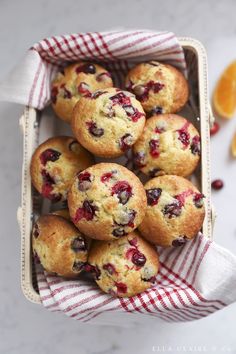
point(195, 280)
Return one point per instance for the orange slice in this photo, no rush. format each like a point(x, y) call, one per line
point(224, 97)
point(233, 145)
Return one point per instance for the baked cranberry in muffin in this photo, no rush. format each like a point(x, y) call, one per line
point(161, 88)
point(108, 122)
point(170, 144)
point(175, 211)
point(75, 81)
point(104, 201)
point(126, 266)
point(54, 165)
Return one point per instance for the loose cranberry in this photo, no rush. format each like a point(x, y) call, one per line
point(139, 159)
point(54, 93)
point(180, 241)
point(119, 232)
point(78, 266)
point(184, 137)
point(67, 93)
point(126, 142)
point(123, 190)
point(133, 242)
point(84, 181)
point(103, 76)
point(195, 145)
point(36, 231)
point(217, 184)
point(154, 147)
point(94, 270)
point(110, 268)
point(49, 155)
point(86, 68)
point(215, 128)
point(94, 130)
point(153, 195)
point(120, 98)
point(138, 258)
point(78, 244)
point(83, 88)
point(106, 176)
point(198, 200)
point(121, 287)
point(173, 210)
point(87, 212)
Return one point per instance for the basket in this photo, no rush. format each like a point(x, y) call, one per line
point(36, 128)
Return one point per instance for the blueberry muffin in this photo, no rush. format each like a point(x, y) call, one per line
point(54, 165)
point(75, 81)
point(107, 201)
point(60, 247)
point(161, 88)
point(175, 211)
point(124, 267)
point(108, 122)
point(169, 145)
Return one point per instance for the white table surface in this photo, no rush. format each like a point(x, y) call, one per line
point(27, 328)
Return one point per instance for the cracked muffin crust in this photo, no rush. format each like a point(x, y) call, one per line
point(175, 211)
point(170, 144)
point(75, 81)
point(60, 247)
point(161, 88)
point(107, 201)
point(124, 267)
point(108, 122)
point(54, 165)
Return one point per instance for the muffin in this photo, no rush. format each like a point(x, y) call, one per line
point(124, 267)
point(75, 81)
point(60, 247)
point(109, 122)
point(54, 165)
point(169, 145)
point(107, 201)
point(175, 211)
point(161, 88)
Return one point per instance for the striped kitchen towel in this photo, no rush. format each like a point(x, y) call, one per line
point(193, 281)
point(29, 83)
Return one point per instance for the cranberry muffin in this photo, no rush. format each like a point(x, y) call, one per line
point(108, 122)
point(161, 88)
point(54, 165)
point(175, 211)
point(75, 81)
point(124, 267)
point(60, 247)
point(107, 201)
point(169, 145)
